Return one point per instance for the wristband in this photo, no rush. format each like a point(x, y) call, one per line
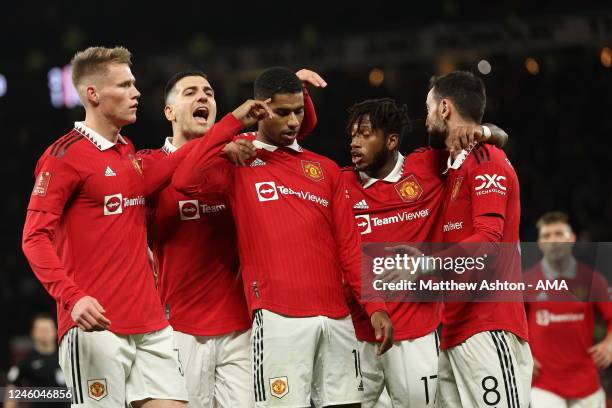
point(486, 131)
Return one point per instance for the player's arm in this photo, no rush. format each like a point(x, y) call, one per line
point(56, 183)
point(488, 219)
point(489, 210)
point(349, 247)
point(463, 137)
point(188, 177)
point(158, 173)
point(601, 353)
point(309, 122)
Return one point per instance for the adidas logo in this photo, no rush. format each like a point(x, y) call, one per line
point(362, 205)
point(109, 172)
point(258, 162)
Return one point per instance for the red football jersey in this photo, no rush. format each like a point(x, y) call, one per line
point(296, 234)
point(402, 207)
point(85, 232)
point(194, 243)
point(485, 184)
point(560, 333)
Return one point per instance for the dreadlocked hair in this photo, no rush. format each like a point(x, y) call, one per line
point(384, 115)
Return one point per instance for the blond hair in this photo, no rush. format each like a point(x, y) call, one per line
point(94, 60)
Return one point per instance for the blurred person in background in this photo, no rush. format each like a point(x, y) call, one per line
point(566, 361)
point(40, 367)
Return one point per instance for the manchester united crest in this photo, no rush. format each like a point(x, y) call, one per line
point(312, 170)
point(456, 187)
point(409, 189)
point(97, 389)
point(137, 163)
point(279, 386)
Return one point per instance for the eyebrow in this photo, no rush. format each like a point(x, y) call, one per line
point(194, 88)
point(289, 108)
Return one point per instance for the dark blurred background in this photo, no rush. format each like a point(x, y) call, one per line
point(546, 65)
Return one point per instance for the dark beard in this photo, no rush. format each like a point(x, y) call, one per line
point(437, 139)
point(380, 159)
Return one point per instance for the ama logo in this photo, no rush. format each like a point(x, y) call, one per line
point(266, 191)
point(112, 204)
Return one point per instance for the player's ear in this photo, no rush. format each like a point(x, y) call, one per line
point(169, 113)
point(92, 95)
point(392, 141)
point(445, 108)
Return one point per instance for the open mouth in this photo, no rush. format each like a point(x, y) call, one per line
point(356, 157)
point(201, 115)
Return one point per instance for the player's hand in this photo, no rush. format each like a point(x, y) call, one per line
point(411, 252)
point(537, 367)
point(310, 77)
point(252, 111)
point(601, 353)
point(463, 137)
point(87, 313)
point(383, 330)
point(240, 151)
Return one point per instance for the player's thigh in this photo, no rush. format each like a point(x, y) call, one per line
point(447, 390)
point(545, 399)
point(595, 400)
point(282, 355)
point(96, 366)
point(234, 374)
point(156, 373)
point(196, 356)
point(337, 378)
point(411, 371)
point(372, 373)
point(492, 369)
point(384, 400)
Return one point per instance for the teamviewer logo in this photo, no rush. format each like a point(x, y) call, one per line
point(266, 191)
point(542, 317)
point(363, 224)
point(112, 204)
point(189, 210)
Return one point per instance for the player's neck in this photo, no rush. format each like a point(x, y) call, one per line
point(456, 122)
point(386, 169)
point(45, 349)
point(178, 140)
point(560, 265)
point(103, 127)
point(264, 139)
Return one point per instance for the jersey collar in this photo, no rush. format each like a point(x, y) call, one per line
point(168, 147)
point(393, 177)
point(459, 159)
point(261, 145)
point(94, 137)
